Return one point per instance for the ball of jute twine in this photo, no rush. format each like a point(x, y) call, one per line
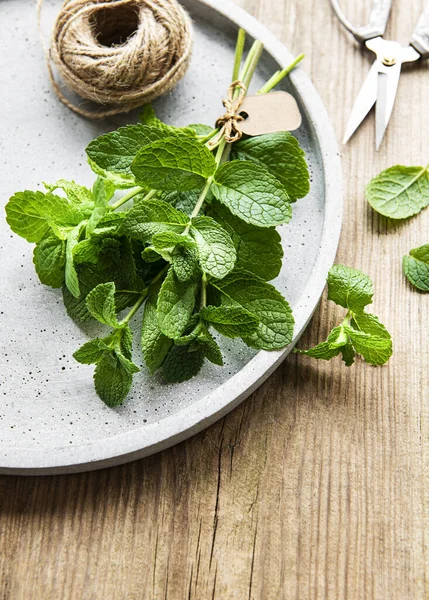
point(119, 53)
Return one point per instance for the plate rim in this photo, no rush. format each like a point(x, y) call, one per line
point(125, 447)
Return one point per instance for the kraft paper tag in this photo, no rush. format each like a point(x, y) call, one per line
point(269, 113)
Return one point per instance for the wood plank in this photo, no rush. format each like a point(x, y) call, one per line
point(318, 485)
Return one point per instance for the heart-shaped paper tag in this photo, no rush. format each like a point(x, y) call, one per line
point(269, 113)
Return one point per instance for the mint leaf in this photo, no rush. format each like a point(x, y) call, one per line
point(399, 192)
point(215, 247)
point(376, 350)
point(148, 117)
point(70, 274)
point(91, 352)
point(349, 288)
point(336, 342)
point(103, 191)
point(184, 201)
point(169, 165)
point(252, 193)
point(87, 251)
point(119, 180)
point(259, 250)
point(200, 129)
point(176, 303)
point(77, 194)
point(264, 302)
point(185, 262)
point(101, 304)
point(115, 151)
point(49, 260)
point(231, 321)
point(416, 267)
point(167, 240)
point(113, 377)
point(32, 214)
point(182, 364)
point(155, 345)
point(281, 155)
point(209, 346)
point(151, 217)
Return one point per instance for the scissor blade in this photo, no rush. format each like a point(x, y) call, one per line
point(388, 79)
point(364, 102)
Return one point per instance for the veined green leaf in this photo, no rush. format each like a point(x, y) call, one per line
point(399, 192)
point(171, 166)
point(416, 267)
point(349, 288)
point(101, 304)
point(281, 155)
point(264, 302)
point(176, 303)
point(215, 247)
point(49, 260)
point(252, 194)
point(151, 217)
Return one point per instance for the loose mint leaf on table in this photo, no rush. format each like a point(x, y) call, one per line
point(349, 288)
point(281, 155)
point(259, 250)
point(115, 151)
point(151, 217)
point(182, 363)
point(171, 166)
point(32, 214)
point(264, 303)
point(231, 321)
point(176, 303)
point(155, 345)
point(416, 267)
point(399, 192)
point(216, 249)
point(360, 332)
point(101, 304)
point(334, 344)
point(49, 260)
point(252, 194)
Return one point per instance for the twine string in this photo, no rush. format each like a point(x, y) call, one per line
point(101, 60)
point(229, 122)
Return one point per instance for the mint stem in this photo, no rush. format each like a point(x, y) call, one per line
point(206, 188)
point(241, 38)
point(135, 308)
point(256, 55)
point(133, 192)
point(279, 75)
point(203, 290)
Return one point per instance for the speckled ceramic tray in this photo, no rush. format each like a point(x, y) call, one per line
point(51, 420)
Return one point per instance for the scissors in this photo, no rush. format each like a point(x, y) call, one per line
point(381, 84)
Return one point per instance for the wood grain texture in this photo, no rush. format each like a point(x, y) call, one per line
point(316, 487)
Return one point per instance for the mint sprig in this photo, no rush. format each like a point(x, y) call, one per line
point(359, 332)
point(179, 223)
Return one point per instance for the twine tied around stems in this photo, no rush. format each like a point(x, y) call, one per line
point(229, 122)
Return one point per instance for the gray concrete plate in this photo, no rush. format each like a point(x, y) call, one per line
point(51, 420)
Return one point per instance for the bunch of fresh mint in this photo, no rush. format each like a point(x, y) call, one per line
point(197, 248)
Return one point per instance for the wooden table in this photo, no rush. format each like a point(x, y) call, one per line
point(315, 487)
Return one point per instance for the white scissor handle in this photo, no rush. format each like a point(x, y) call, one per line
point(377, 20)
point(420, 38)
